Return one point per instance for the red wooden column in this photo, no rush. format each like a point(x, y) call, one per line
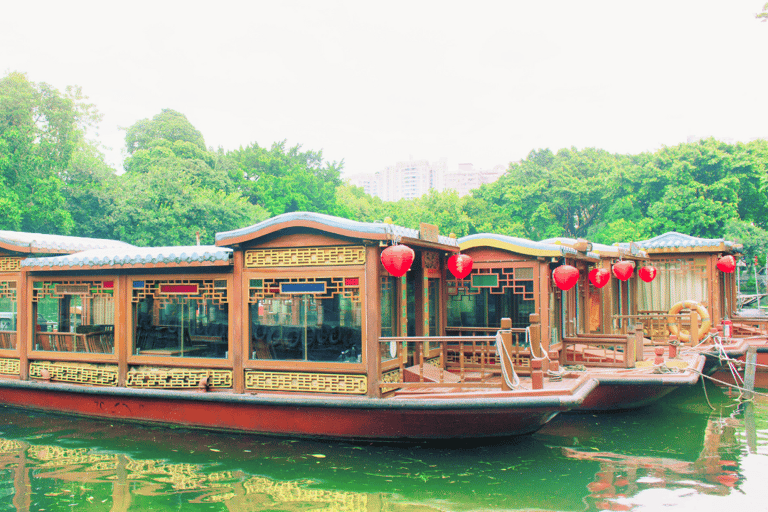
point(371, 328)
point(238, 307)
point(123, 324)
point(25, 322)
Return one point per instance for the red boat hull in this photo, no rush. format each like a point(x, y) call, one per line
point(361, 419)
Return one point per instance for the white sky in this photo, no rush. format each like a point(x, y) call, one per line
point(375, 83)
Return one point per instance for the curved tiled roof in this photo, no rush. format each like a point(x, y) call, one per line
point(133, 256)
point(42, 243)
point(599, 250)
point(514, 244)
point(674, 240)
point(363, 229)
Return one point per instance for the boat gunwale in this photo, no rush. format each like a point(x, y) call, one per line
point(565, 400)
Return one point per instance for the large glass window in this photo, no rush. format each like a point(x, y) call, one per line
point(677, 280)
point(8, 314)
point(488, 295)
point(312, 319)
point(181, 318)
point(74, 316)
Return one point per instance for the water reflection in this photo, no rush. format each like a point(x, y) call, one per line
point(578, 462)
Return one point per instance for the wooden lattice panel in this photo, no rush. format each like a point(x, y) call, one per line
point(177, 378)
point(213, 290)
point(306, 382)
point(59, 288)
point(76, 373)
point(9, 366)
point(519, 280)
point(10, 264)
point(8, 290)
point(269, 288)
point(305, 256)
point(392, 376)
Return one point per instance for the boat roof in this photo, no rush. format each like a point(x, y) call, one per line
point(521, 246)
point(679, 242)
point(40, 243)
point(331, 224)
point(603, 250)
point(135, 257)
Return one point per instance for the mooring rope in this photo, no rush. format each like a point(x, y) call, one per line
point(501, 350)
point(741, 389)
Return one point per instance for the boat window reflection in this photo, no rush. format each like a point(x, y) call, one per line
point(187, 318)
point(312, 320)
point(74, 316)
point(8, 314)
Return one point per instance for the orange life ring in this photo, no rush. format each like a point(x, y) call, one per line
point(706, 322)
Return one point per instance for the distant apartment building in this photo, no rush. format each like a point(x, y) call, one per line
point(414, 178)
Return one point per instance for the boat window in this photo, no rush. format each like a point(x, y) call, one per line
point(181, 318)
point(312, 319)
point(433, 289)
point(477, 303)
point(677, 279)
point(74, 316)
point(8, 314)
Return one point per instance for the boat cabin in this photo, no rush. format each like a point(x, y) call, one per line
point(687, 271)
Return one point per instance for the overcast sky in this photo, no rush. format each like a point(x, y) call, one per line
point(375, 83)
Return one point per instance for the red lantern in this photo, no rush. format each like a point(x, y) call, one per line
point(623, 270)
point(460, 265)
point(599, 277)
point(727, 264)
point(647, 273)
point(397, 259)
point(565, 277)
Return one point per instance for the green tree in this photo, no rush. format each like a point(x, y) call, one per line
point(286, 180)
point(40, 129)
point(555, 194)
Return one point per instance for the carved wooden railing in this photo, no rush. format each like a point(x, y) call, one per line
point(100, 342)
point(8, 339)
point(604, 350)
point(745, 326)
point(440, 361)
point(655, 325)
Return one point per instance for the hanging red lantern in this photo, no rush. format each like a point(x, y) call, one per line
point(726, 264)
point(397, 259)
point(460, 265)
point(647, 273)
point(565, 277)
point(623, 270)
point(599, 277)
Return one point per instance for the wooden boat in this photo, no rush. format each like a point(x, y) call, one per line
point(687, 274)
point(584, 330)
point(292, 326)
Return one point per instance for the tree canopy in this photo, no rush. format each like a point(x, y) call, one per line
point(53, 179)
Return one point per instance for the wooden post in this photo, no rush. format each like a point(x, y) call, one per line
point(506, 340)
point(639, 343)
point(25, 322)
point(239, 331)
point(535, 328)
point(537, 374)
point(749, 372)
point(694, 330)
point(536, 339)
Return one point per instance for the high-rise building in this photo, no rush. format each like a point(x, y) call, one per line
point(414, 178)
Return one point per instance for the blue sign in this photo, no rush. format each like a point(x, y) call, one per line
point(296, 288)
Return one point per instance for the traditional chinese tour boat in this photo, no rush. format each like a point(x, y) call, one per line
point(571, 316)
point(301, 325)
point(693, 299)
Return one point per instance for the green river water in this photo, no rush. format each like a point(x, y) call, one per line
point(677, 455)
